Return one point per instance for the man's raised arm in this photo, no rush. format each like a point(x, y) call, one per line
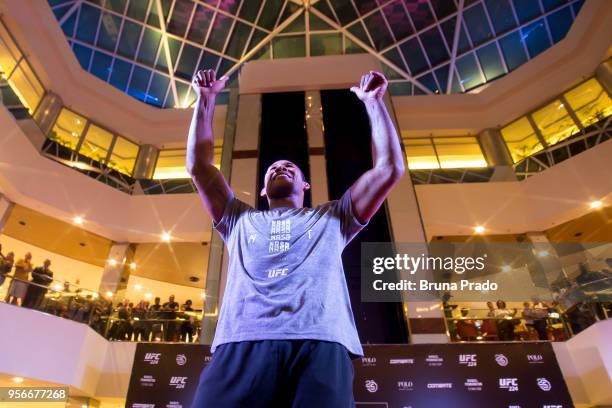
point(370, 190)
point(212, 186)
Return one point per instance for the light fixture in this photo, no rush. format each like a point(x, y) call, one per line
point(506, 268)
point(596, 204)
point(133, 265)
point(18, 379)
point(479, 229)
point(75, 134)
point(148, 295)
point(542, 254)
point(166, 237)
point(109, 294)
point(203, 295)
point(57, 286)
point(78, 220)
point(112, 262)
point(78, 122)
point(138, 286)
point(94, 295)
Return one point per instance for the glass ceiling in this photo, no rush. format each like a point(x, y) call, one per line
point(151, 48)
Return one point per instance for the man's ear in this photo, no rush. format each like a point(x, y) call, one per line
point(262, 193)
point(305, 186)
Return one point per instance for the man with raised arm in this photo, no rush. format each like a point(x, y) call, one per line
point(286, 333)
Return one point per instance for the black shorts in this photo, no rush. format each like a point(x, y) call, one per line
point(277, 373)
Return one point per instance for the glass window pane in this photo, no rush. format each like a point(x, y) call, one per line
point(477, 24)
point(526, 9)
point(249, 9)
point(414, 56)
point(325, 44)
point(379, 32)
point(83, 55)
point(554, 122)
point(199, 26)
point(129, 39)
point(157, 90)
point(535, 37)
point(9, 53)
point(358, 31)
point(420, 154)
point(219, 33)
point(120, 74)
point(26, 86)
point(180, 17)
point(459, 152)
point(513, 50)
point(560, 23)
point(67, 129)
point(420, 13)
point(501, 15)
point(139, 83)
point(96, 143)
point(490, 62)
point(238, 41)
point(138, 9)
point(101, 65)
point(398, 20)
point(123, 156)
point(88, 23)
point(289, 47)
point(188, 62)
point(171, 165)
point(149, 46)
point(443, 8)
point(109, 31)
point(344, 10)
point(468, 71)
point(590, 102)
point(434, 46)
point(269, 14)
point(521, 139)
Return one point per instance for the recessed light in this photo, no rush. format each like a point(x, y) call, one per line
point(78, 220)
point(596, 204)
point(542, 254)
point(18, 379)
point(109, 294)
point(138, 286)
point(148, 295)
point(166, 237)
point(203, 295)
point(133, 265)
point(479, 229)
point(112, 262)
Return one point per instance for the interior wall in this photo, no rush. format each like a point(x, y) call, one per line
point(63, 267)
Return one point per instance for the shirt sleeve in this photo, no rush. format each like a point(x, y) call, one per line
point(349, 224)
point(234, 209)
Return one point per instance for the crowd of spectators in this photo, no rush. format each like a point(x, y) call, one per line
point(154, 322)
point(28, 286)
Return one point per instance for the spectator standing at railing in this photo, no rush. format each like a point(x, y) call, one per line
point(170, 308)
point(6, 265)
point(42, 276)
point(154, 314)
point(19, 285)
point(141, 327)
point(187, 329)
point(505, 324)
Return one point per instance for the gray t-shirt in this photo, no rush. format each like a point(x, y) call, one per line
point(285, 277)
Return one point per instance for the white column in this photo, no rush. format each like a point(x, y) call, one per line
point(117, 271)
point(6, 206)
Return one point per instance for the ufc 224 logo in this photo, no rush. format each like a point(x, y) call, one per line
point(469, 360)
point(178, 382)
point(152, 358)
point(510, 384)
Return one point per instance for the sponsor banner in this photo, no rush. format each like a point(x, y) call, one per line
point(458, 375)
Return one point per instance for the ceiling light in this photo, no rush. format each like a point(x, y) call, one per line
point(506, 268)
point(166, 237)
point(479, 229)
point(596, 204)
point(203, 295)
point(148, 295)
point(94, 295)
point(18, 379)
point(138, 286)
point(57, 286)
point(112, 262)
point(542, 254)
point(109, 294)
point(78, 220)
point(133, 265)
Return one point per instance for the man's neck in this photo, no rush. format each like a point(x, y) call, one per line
point(286, 202)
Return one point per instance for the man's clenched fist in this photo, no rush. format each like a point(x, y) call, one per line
point(372, 87)
point(205, 84)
